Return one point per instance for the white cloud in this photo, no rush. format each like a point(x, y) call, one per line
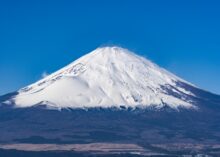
point(44, 74)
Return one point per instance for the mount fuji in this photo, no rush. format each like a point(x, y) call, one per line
point(107, 77)
point(111, 95)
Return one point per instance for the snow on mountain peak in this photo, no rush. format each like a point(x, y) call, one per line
point(106, 77)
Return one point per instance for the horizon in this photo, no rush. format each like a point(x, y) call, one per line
point(39, 38)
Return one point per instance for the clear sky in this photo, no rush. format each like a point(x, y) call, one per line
point(41, 36)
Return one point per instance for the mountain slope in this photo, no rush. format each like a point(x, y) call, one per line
point(107, 77)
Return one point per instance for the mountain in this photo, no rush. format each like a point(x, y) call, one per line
point(107, 98)
point(107, 77)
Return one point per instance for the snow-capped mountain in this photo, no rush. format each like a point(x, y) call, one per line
point(111, 95)
point(107, 77)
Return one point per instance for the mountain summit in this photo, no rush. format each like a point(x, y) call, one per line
point(107, 77)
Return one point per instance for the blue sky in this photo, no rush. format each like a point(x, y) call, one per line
point(38, 36)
